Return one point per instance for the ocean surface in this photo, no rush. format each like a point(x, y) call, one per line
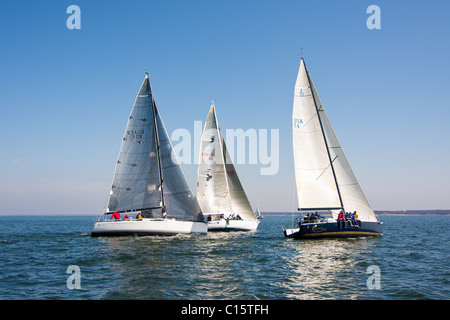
point(37, 254)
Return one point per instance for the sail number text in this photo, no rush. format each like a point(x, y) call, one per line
point(135, 134)
point(297, 122)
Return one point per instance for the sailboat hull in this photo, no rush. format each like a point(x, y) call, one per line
point(232, 225)
point(331, 230)
point(143, 227)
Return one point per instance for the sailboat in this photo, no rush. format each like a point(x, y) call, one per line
point(150, 194)
point(219, 191)
point(258, 213)
point(324, 179)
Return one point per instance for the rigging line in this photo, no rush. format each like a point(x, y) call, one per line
point(326, 168)
point(311, 119)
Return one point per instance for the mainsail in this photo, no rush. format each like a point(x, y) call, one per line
point(148, 175)
point(323, 175)
point(219, 189)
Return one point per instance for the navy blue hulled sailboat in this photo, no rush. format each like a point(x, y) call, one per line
point(325, 182)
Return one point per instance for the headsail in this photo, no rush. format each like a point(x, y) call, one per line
point(324, 177)
point(178, 196)
point(219, 189)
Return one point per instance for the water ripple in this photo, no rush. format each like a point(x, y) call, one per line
point(413, 257)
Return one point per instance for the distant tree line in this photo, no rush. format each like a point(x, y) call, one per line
point(414, 212)
point(380, 212)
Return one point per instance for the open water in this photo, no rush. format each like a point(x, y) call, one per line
point(35, 252)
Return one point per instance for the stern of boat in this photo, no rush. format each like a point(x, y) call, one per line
point(289, 233)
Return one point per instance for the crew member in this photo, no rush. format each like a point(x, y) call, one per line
point(115, 215)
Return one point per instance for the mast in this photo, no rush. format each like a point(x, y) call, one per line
point(325, 139)
point(158, 155)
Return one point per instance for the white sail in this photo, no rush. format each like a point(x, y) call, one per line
point(324, 177)
point(239, 201)
point(219, 189)
point(316, 186)
point(212, 186)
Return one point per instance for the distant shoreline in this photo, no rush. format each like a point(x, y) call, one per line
point(412, 214)
point(437, 212)
point(381, 213)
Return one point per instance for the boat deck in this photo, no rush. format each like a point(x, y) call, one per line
point(328, 229)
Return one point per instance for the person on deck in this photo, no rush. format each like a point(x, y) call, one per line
point(317, 216)
point(340, 220)
point(116, 216)
point(357, 221)
point(351, 218)
point(126, 217)
point(306, 218)
point(347, 218)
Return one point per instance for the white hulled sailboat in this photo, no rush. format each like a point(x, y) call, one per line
point(219, 191)
point(324, 179)
point(149, 187)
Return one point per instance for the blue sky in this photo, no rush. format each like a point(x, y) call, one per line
point(65, 95)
